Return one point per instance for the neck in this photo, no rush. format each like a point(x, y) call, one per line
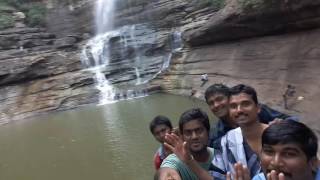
point(227, 121)
point(201, 156)
point(253, 131)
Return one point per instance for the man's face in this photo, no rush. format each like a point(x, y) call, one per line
point(218, 104)
point(242, 109)
point(160, 131)
point(196, 135)
point(288, 159)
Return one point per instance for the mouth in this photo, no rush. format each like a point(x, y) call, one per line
point(286, 174)
point(241, 117)
point(219, 111)
point(195, 144)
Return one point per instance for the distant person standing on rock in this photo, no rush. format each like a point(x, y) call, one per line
point(289, 93)
point(204, 79)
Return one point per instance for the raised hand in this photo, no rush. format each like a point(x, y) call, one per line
point(241, 172)
point(175, 144)
point(274, 176)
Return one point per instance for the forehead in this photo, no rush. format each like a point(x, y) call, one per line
point(217, 95)
point(240, 97)
point(284, 147)
point(193, 124)
point(160, 127)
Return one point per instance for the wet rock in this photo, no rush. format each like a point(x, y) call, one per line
point(19, 25)
point(65, 42)
point(19, 16)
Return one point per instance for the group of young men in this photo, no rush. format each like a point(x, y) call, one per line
point(250, 141)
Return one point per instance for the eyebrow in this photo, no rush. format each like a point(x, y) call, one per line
point(266, 146)
point(291, 149)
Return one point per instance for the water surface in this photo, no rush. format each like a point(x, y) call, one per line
point(110, 142)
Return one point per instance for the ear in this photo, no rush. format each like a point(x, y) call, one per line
point(314, 164)
point(258, 108)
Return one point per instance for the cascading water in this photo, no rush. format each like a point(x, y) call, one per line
point(104, 15)
point(122, 55)
point(98, 55)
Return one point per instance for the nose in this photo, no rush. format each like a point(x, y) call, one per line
point(216, 105)
point(276, 161)
point(194, 135)
point(162, 134)
point(238, 109)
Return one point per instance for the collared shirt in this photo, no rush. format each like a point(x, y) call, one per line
point(217, 132)
point(266, 115)
point(234, 149)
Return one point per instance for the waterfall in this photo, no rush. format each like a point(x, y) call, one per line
point(176, 42)
point(104, 15)
point(122, 58)
point(176, 46)
point(96, 53)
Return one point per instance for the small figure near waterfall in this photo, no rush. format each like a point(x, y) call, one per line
point(159, 127)
point(288, 94)
point(193, 92)
point(204, 79)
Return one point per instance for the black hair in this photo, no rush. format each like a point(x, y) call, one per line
point(159, 120)
point(194, 114)
point(241, 88)
point(289, 131)
point(215, 89)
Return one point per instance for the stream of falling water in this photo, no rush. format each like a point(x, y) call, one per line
point(98, 55)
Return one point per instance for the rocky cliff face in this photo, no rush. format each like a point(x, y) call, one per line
point(266, 44)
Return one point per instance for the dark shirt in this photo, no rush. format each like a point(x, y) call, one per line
point(266, 115)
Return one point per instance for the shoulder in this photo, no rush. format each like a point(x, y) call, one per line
point(171, 161)
point(211, 150)
point(234, 136)
point(259, 176)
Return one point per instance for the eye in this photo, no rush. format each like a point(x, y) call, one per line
point(199, 130)
point(187, 133)
point(268, 151)
point(233, 106)
point(246, 103)
point(219, 99)
point(210, 102)
point(290, 154)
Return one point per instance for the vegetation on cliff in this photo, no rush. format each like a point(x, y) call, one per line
point(6, 21)
point(217, 4)
point(35, 12)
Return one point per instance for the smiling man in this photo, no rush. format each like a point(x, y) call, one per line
point(194, 128)
point(242, 144)
point(289, 152)
point(217, 98)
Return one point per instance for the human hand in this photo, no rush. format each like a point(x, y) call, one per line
point(275, 120)
point(167, 174)
point(175, 144)
point(172, 177)
point(274, 176)
point(241, 172)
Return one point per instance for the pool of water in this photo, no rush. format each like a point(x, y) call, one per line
point(98, 142)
